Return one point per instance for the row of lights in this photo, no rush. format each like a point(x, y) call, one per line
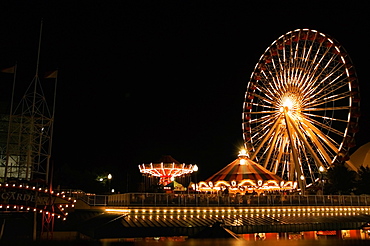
point(273, 210)
point(241, 216)
point(24, 187)
point(61, 194)
point(251, 210)
point(31, 209)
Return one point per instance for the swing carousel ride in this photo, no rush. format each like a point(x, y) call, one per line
point(167, 169)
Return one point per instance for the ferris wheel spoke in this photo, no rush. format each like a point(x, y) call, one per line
point(276, 67)
point(324, 101)
point(263, 112)
point(334, 85)
point(279, 160)
point(326, 95)
point(266, 137)
point(321, 77)
point(304, 64)
point(272, 146)
point(328, 141)
point(271, 108)
point(270, 90)
point(259, 136)
point(258, 132)
point(327, 108)
point(316, 142)
point(325, 117)
point(266, 97)
point(263, 122)
point(274, 74)
point(262, 98)
point(316, 59)
point(321, 74)
point(295, 162)
point(329, 83)
point(302, 138)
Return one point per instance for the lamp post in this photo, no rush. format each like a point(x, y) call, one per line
point(195, 170)
point(109, 180)
point(322, 170)
point(303, 185)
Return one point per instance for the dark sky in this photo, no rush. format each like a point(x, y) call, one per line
point(142, 79)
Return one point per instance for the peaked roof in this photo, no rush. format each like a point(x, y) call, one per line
point(361, 157)
point(243, 168)
point(174, 184)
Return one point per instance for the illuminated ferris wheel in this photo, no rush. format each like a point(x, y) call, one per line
point(301, 106)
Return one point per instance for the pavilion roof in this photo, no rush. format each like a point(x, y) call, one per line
point(243, 168)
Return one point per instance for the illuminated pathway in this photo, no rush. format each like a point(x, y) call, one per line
point(120, 221)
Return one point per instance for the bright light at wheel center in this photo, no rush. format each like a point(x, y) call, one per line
point(287, 103)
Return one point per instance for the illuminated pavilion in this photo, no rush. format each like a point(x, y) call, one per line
point(245, 176)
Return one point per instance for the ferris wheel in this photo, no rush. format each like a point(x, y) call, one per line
point(301, 107)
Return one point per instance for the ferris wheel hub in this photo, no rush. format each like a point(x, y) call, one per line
point(287, 103)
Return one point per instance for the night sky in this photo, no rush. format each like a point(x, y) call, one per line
point(142, 79)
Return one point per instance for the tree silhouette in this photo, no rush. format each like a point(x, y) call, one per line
point(340, 180)
point(363, 182)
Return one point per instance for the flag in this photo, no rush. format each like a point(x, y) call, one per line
point(8, 70)
point(51, 75)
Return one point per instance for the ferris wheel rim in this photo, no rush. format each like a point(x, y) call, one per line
point(317, 115)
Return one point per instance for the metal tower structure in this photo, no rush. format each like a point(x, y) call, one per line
point(30, 131)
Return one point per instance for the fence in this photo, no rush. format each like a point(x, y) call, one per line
point(205, 200)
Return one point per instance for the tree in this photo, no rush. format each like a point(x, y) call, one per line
point(340, 180)
point(69, 176)
point(363, 182)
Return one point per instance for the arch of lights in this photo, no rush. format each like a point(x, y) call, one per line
point(24, 198)
point(246, 186)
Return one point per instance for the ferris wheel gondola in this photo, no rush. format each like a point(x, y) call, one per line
point(301, 107)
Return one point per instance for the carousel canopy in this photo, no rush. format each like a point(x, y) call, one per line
point(243, 168)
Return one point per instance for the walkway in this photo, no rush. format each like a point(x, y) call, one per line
point(148, 214)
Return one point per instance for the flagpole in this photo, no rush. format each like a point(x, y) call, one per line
point(34, 234)
point(52, 129)
point(37, 70)
point(38, 52)
point(9, 124)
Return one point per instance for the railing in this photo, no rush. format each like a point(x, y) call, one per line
point(183, 200)
point(91, 199)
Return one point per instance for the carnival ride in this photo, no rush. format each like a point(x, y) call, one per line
point(301, 107)
point(245, 176)
point(167, 169)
